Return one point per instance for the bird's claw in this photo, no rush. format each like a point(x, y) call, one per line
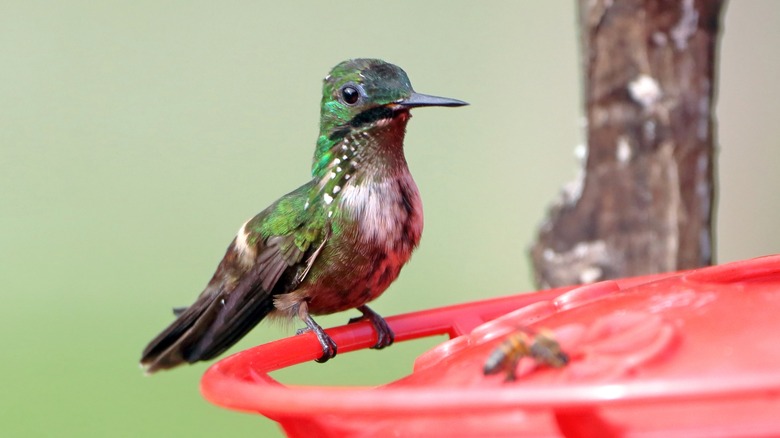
point(329, 347)
point(329, 350)
point(384, 334)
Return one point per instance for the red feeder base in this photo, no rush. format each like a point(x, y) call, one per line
point(670, 355)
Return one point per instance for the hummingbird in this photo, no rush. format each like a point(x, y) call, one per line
point(334, 243)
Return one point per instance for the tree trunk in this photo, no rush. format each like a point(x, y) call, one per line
point(644, 203)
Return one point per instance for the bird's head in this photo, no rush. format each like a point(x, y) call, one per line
point(366, 101)
point(360, 94)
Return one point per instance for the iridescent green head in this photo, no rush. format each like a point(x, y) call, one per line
point(360, 92)
point(361, 95)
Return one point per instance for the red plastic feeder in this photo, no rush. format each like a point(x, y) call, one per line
point(671, 355)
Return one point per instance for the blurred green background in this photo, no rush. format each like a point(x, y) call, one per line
point(136, 137)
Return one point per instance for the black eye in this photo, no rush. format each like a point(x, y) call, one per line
point(350, 95)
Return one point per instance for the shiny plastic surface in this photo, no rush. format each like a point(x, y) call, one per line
point(670, 355)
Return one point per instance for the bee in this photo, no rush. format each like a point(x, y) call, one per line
point(525, 342)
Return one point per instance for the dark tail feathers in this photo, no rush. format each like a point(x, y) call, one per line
point(215, 322)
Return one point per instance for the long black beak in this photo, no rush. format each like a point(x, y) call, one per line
point(417, 99)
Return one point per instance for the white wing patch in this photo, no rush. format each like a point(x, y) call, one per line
point(246, 254)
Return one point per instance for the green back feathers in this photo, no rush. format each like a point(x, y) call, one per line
point(289, 216)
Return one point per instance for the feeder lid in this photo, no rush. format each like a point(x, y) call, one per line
point(673, 355)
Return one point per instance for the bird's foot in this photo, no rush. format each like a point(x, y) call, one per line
point(329, 348)
point(384, 333)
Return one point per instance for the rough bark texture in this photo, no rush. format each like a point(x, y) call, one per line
point(644, 203)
